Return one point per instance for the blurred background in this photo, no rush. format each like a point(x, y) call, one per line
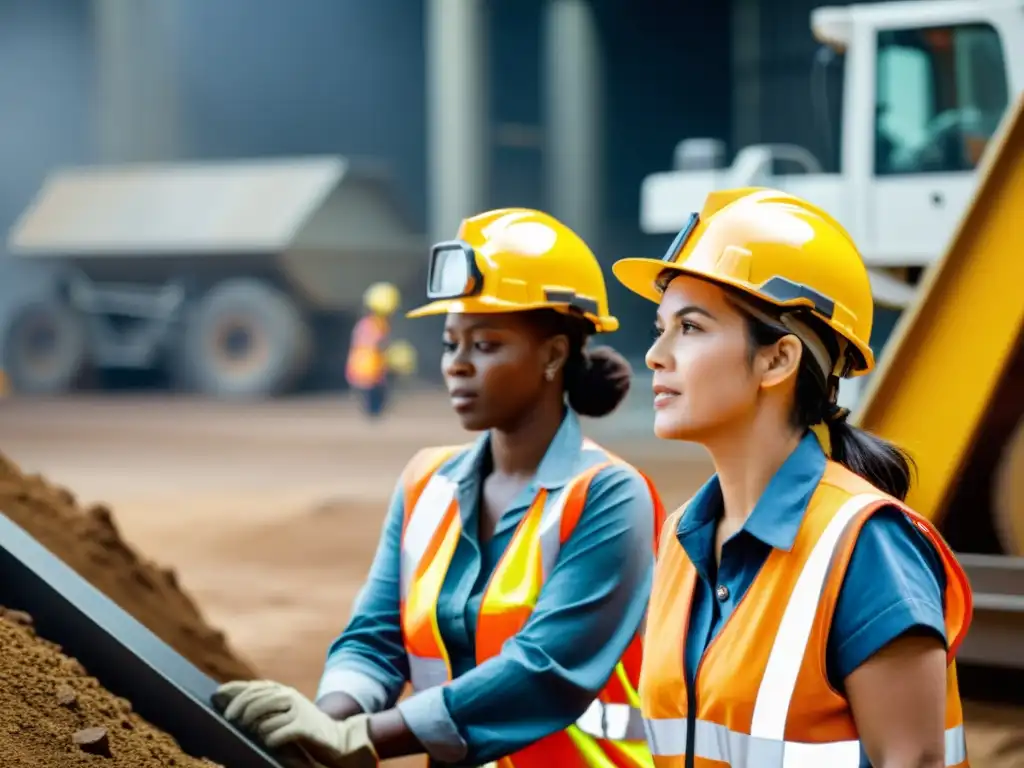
point(197, 194)
point(153, 150)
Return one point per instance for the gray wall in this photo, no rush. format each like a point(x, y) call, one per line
point(45, 76)
point(265, 77)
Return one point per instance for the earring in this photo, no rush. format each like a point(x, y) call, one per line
point(549, 374)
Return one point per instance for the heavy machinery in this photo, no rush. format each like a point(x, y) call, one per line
point(925, 83)
point(951, 391)
point(239, 279)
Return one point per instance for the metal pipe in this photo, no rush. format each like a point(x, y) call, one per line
point(457, 148)
point(573, 115)
point(137, 105)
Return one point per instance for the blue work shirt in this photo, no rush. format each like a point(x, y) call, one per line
point(894, 583)
point(544, 678)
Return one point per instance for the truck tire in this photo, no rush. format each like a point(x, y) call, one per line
point(245, 339)
point(45, 348)
point(1009, 493)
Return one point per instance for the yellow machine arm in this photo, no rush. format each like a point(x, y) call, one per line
point(952, 351)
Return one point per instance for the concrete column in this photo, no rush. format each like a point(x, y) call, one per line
point(458, 149)
point(573, 116)
point(137, 105)
point(746, 73)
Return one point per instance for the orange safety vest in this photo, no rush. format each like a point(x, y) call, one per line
point(610, 733)
point(762, 693)
point(366, 366)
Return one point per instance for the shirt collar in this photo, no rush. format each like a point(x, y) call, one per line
point(556, 468)
point(778, 514)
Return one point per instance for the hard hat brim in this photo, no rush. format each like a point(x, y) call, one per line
point(487, 305)
point(640, 276)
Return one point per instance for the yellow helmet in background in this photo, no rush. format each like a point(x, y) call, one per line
point(780, 249)
point(382, 298)
point(401, 357)
point(516, 259)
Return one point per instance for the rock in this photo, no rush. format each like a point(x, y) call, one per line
point(93, 740)
point(18, 617)
point(66, 696)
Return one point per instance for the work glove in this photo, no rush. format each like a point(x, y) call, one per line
point(278, 715)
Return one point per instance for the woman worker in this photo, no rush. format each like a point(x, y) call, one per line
point(801, 615)
point(513, 574)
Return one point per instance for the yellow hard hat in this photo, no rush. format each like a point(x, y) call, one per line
point(382, 298)
point(401, 357)
point(516, 259)
point(780, 249)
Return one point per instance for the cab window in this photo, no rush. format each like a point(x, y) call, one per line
point(941, 93)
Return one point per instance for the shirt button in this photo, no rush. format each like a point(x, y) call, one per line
point(722, 593)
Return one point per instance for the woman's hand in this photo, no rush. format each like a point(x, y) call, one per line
point(278, 715)
point(898, 698)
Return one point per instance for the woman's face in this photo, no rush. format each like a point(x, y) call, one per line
point(494, 367)
point(703, 377)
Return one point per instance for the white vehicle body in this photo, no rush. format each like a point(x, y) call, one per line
point(926, 82)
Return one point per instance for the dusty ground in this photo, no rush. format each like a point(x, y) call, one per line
point(270, 513)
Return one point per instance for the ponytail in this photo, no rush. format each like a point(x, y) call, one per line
point(883, 464)
point(596, 380)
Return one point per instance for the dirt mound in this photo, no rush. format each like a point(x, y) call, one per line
point(89, 542)
point(54, 715)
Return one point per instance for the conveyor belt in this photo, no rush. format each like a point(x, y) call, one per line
point(128, 659)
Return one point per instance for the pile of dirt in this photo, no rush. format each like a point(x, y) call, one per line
point(88, 541)
point(55, 715)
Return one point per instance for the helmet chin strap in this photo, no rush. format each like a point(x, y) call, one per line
point(813, 343)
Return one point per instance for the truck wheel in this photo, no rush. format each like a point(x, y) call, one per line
point(45, 348)
point(245, 339)
point(1009, 493)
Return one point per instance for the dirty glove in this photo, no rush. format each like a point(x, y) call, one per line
point(279, 715)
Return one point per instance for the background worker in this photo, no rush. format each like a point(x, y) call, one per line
point(801, 613)
point(513, 573)
point(367, 367)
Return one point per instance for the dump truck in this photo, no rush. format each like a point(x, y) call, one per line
point(924, 85)
point(237, 279)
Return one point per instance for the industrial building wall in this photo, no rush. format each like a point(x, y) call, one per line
point(45, 74)
point(264, 77)
point(666, 76)
point(795, 105)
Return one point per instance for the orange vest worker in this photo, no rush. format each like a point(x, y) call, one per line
point(610, 733)
point(367, 366)
point(762, 697)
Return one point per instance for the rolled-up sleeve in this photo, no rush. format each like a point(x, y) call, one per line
point(546, 675)
point(368, 660)
point(894, 584)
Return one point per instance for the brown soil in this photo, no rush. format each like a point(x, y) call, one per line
point(88, 541)
point(54, 715)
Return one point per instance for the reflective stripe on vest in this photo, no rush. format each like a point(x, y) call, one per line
point(431, 532)
point(617, 722)
point(794, 600)
point(667, 738)
point(434, 502)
